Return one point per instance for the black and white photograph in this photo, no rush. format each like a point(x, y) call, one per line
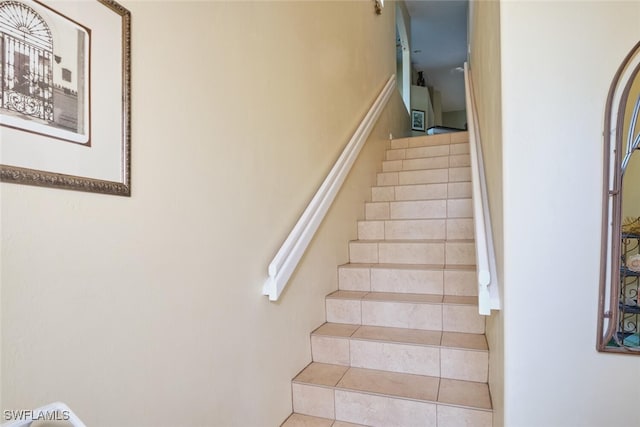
point(417, 120)
point(65, 94)
point(45, 72)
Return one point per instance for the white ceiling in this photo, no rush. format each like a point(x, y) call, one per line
point(439, 46)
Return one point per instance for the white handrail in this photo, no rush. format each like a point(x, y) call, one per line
point(56, 411)
point(287, 258)
point(488, 292)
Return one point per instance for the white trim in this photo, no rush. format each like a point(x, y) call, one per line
point(287, 258)
point(488, 292)
point(401, 27)
point(44, 413)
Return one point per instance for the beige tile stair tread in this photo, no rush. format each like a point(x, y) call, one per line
point(346, 424)
point(410, 386)
point(462, 300)
point(432, 185)
point(455, 340)
point(436, 150)
point(398, 335)
point(427, 267)
point(412, 201)
point(441, 184)
point(422, 192)
point(404, 220)
point(300, 420)
point(426, 163)
point(464, 341)
point(452, 137)
point(404, 297)
point(405, 165)
point(424, 183)
point(347, 294)
point(414, 241)
point(336, 329)
point(467, 394)
point(321, 374)
point(420, 183)
point(428, 140)
point(464, 393)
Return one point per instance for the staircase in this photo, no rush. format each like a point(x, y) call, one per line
point(404, 344)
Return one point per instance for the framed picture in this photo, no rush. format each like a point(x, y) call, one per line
point(65, 95)
point(417, 120)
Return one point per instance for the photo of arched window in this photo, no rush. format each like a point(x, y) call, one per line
point(45, 72)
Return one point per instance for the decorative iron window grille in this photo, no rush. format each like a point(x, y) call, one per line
point(619, 306)
point(27, 68)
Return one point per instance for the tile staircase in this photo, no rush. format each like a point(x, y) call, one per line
point(404, 344)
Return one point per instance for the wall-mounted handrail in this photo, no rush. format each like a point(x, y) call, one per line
point(488, 291)
point(286, 260)
point(56, 411)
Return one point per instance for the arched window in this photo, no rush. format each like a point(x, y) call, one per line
point(27, 52)
point(619, 303)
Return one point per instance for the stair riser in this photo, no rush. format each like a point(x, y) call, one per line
point(419, 209)
point(453, 229)
point(355, 407)
point(424, 152)
point(439, 162)
point(437, 282)
point(427, 316)
point(459, 364)
point(448, 253)
point(429, 140)
point(421, 192)
point(313, 400)
point(427, 176)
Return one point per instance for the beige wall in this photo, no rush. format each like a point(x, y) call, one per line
point(147, 311)
point(404, 75)
point(485, 63)
point(630, 189)
point(454, 119)
point(552, 189)
point(420, 100)
point(436, 99)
